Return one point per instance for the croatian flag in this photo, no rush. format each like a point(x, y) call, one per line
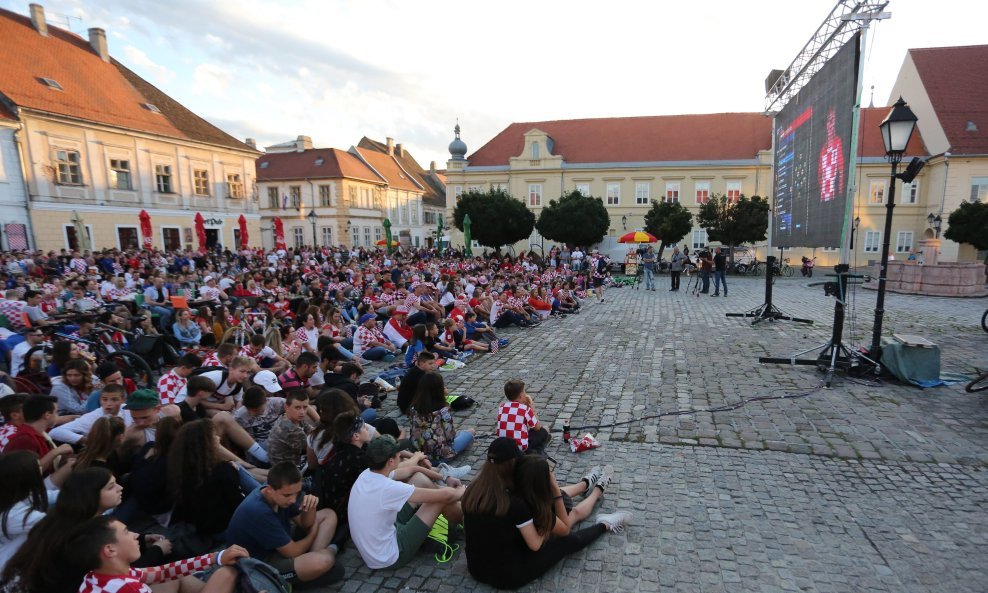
point(495, 345)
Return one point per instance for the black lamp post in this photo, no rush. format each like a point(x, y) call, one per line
point(935, 222)
point(896, 130)
point(624, 222)
point(854, 230)
point(312, 218)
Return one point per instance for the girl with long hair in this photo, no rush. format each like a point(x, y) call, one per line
point(101, 444)
point(432, 428)
point(75, 387)
point(23, 500)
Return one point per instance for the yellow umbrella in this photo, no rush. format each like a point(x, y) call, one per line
point(638, 237)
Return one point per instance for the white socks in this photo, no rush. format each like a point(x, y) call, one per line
point(259, 453)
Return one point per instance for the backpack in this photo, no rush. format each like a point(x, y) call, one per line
point(601, 265)
point(256, 576)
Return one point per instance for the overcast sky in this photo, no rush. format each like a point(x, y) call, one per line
point(339, 70)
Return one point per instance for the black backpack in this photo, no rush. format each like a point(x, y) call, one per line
point(256, 576)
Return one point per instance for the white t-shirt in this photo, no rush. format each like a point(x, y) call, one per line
point(374, 504)
point(17, 357)
point(17, 530)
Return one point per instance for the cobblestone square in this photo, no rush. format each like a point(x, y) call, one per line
point(853, 488)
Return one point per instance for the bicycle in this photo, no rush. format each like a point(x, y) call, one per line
point(984, 321)
point(130, 365)
point(785, 269)
point(980, 382)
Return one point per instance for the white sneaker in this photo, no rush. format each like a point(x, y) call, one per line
point(614, 522)
point(606, 474)
point(384, 385)
point(593, 477)
point(457, 472)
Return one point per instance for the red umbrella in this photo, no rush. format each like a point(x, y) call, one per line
point(279, 234)
point(201, 232)
point(146, 229)
point(243, 232)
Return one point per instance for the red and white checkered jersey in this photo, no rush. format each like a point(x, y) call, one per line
point(513, 421)
point(412, 301)
point(169, 386)
point(13, 311)
point(6, 431)
point(137, 579)
point(211, 360)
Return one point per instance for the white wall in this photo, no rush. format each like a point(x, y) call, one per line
point(13, 200)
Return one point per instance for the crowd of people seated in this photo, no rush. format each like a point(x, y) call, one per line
point(274, 441)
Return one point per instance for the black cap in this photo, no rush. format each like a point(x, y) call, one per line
point(503, 449)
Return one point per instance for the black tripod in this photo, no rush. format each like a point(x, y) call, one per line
point(767, 310)
point(834, 354)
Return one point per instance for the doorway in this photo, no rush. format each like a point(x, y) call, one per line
point(213, 238)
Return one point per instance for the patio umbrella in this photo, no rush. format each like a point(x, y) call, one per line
point(638, 237)
point(82, 237)
point(388, 239)
point(467, 236)
point(279, 235)
point(243, 232)
point(146, 229)
point(384, 242)
point(201, 231)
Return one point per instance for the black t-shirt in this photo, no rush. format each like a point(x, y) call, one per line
point(495, 547)
point(334, 480)
point(720, 262)
point(210, 506)
point(189, 414)
point(409, 385)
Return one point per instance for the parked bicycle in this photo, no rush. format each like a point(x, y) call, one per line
point(980, 382)
point(984, 321)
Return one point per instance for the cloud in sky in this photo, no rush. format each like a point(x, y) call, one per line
point(340, 70)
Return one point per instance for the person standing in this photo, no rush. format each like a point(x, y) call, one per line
point(648, 264)
point(720, 272)
point(676, 268)
point(706, 267)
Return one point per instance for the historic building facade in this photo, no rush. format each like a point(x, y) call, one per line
point(98, 144)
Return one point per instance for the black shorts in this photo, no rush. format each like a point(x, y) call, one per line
point(598, 282)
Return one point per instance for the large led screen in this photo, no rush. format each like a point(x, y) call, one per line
point(812, 152)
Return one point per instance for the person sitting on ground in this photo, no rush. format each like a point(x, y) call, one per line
point(426, 363)
point(32, 435)
point(74, 389)
point(171, 384)
point(264, 355)
point(111, 401)
point(517, 419)
point(385, 526)
point(105, 550)
point(263, 524)
point(23, 500)
point(499, 507)
point(229, 385)
point(432, 428)
point(416, 344)
point(222, 357)
point(287, 439)
point(369, 343)
point(455, 334)
point(185, 329)
point(298, 377)
point(397, 329)
point(102, 445)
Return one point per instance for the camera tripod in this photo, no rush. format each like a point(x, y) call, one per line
point(834, 354)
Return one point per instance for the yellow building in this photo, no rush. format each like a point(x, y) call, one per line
point(99, 144)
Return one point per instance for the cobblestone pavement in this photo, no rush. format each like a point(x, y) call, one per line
point(855, 488)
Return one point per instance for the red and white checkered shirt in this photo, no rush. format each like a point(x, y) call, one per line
point(209, 293)
point(513, 421)
point(169, 386)
point(412, 301)
point(6, 431)
point(137, 579)
point(79, 265)
point(14, 312)
point(211, 360)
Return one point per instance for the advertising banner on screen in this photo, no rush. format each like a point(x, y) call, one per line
point(812, 152)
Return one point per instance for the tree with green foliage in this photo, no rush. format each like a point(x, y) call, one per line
point(574, 219)
point(731, 224)
point(497, 218)
point(969, 224)
point(669, 221)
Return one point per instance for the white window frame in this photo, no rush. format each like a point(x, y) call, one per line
point(67, 171)
point(114, 174)
point(701, 192)
point(137, 230)
point(295, 196)
point(162, 227)
point(536, 151)
point(235, 186)
point(872, 241)
point(583, 188)
point(457, 192)
point(733, 191)
point(327, 235)
point(298, 234)
point(613, 192)
point(200, 182)
point(902, 246)
point(674, 188)
point(534, 195)
point(378, 234)
point(642, 193)
point(163, 173)
point(910, 192)
point(65, 235)
point(876, 191)
point(355, 236)
point(979, 189)
point(699, 238)
point(367, 236)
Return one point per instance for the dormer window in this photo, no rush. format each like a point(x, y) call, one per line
point(151, 107)
point(536, 151)
point(50, 83)
point(319, 161)
point(264, 164)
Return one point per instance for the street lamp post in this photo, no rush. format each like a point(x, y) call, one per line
point(312, 218)
point(624, 222)
point(896, 129)
point(935, 222)
point(854, 229)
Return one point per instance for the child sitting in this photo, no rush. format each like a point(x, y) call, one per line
point(516, 419)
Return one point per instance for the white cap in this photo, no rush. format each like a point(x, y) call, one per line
point(268, 380)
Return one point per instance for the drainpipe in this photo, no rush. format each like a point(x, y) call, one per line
point(946, 172)
point(27, 188)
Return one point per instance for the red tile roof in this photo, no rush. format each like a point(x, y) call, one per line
point(92, 90)
point(872, 144)
point(718, 136)
point(387, 166)
point(435, 190)
point(334, 164)
point(956, 81)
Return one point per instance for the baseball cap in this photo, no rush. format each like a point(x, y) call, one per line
point(503, 449)
point(268, 380)
point(366, 317)
point(382, 449)
point(206, 279)
point(142, 399)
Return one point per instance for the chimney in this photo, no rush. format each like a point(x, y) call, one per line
point(251, 142)
point(38, 19)
point(432, 167)
point(97, 39)
point(391, 146)
point(400, 150)
point(303, 143)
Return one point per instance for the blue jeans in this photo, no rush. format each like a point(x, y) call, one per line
point(369, 415)
point(649, 279)
point(248, 483)
point(164, 316)
point(720, 279)
point(705, 278)
point(461, 442)
point(346, 353)
point(376, 353)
